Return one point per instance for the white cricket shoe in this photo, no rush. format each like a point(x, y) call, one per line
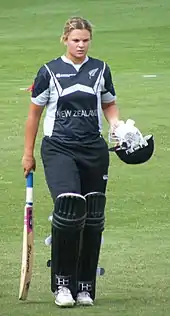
point(63, 297)
point(84, 299)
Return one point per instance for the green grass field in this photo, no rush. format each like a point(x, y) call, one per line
point(133, 37)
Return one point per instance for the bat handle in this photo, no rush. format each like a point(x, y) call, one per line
point(29, 180)
point(29, 188)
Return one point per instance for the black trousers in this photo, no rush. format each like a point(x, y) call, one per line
point(75, 168)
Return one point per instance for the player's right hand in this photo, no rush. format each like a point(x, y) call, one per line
point(28, 163)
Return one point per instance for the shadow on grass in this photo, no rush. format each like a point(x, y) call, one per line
point(33, 302)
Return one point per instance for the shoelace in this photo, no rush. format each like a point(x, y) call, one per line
point(85, 294)
point(64, 290)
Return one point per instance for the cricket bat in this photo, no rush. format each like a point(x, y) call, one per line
point(28, 241)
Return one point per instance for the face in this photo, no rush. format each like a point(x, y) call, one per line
point(77, 45)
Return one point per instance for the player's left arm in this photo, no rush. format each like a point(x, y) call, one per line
point(111, 112)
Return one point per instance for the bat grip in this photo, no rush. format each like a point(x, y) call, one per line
point(29, 188)
point(29, 180)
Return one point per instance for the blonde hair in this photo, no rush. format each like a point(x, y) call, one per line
point(75, 23)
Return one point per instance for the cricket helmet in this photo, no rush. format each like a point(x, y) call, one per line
point(139, 155)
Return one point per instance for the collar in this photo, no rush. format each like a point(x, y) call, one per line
point(68, 61)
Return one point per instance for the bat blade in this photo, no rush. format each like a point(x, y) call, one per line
point(28, 242)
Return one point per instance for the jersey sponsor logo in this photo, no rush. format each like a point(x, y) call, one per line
point(92, 72)
point(76, 113)
point(64, 75)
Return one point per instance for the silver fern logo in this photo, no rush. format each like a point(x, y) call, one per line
point(93, 72)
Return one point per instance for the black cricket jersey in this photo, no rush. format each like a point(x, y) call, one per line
point(73, 95)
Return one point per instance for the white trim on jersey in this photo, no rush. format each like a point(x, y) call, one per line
point(56, 82)
point(42, 99)
point(98, 81)
point(49, 118)
point(99, 110)
point(77, 87)
point(97, 90)
point(107, 98)
point(48, 123)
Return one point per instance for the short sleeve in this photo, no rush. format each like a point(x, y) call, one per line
point(40, 90)
point(108, 93)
